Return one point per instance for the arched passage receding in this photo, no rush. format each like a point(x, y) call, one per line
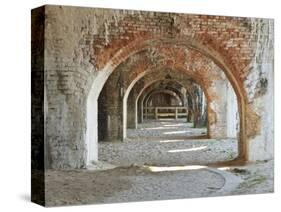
point(131, 49)
point(165, 91)
point(150, 98)
point(140, 97)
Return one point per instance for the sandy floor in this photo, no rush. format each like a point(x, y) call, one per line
point(157, 168)
point(129, 184)
point(168, 152)
point(166, 143)
point(134, 183)
point(165, 129)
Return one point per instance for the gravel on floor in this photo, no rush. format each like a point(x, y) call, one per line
point(168, 152)
point(165, 129)
point(141, 183)
point(135, 183)
point(166, 142)
point(125, 184)
point(257, 178)
point(158, 164)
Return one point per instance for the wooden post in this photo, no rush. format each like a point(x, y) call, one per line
point(176, 113)
point(156, 113)
point(141, 121)
point(144, 112)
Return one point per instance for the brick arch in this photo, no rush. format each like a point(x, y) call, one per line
point(175, 82)
point(135, 79)
point(165, 91)
point(143, 66)
point(200, 75)
point(148, 42)
point(169, 89)
point(139, 70)
point(143, 42)
point(189, 91)
point(177, 91)
point(141, 92)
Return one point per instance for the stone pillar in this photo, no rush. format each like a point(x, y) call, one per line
point(259, 86)
point(141, 112)
point(189, 108)
point(131, 111)
point(217, 111)
point(110, 112)
point(232, 113)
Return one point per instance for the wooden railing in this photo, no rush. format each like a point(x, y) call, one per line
point(159, 112)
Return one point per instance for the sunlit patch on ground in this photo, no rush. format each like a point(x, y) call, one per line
point(165, 129)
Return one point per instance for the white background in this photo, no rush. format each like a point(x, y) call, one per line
point(15, 103)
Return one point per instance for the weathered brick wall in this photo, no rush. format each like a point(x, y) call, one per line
point(84, 45)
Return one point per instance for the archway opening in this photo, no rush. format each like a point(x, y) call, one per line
point(160, 115)
point(119, 119)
